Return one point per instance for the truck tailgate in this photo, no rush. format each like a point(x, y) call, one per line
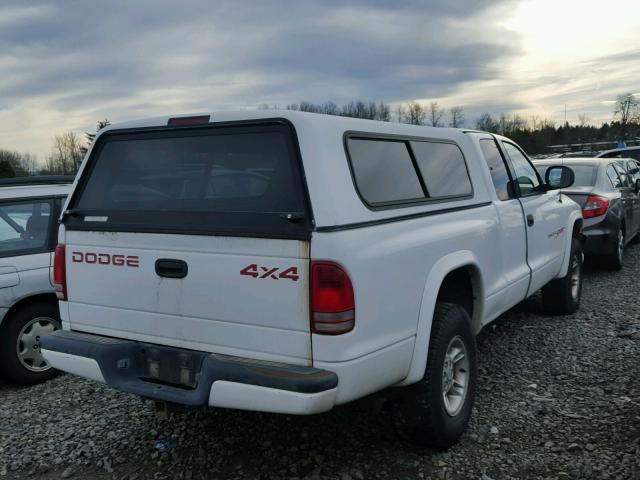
point(240, 296)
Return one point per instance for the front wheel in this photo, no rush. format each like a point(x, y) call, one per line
point(562, 296)
point(20, 358)
point(435, 411)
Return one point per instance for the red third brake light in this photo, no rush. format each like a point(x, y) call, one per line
point(332, 303)
point(60, 272)
point(595, 206)
point(176, 121)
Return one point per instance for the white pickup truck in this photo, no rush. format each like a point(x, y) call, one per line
point(293, 263)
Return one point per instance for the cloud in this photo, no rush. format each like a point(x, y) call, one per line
point(73, 63)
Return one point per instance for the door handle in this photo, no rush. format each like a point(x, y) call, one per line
point(530, 220)
point(171, 268)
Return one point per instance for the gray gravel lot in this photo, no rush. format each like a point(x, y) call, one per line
point(558, 398)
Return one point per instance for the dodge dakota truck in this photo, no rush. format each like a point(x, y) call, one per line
point(295, 262)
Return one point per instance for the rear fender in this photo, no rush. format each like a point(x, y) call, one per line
point(440, 270)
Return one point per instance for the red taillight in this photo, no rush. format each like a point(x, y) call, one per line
point(176, 121)
point(595, 206)
point(332, 305)
point(60, 272)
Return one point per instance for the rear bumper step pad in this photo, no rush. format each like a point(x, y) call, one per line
point(186, 376)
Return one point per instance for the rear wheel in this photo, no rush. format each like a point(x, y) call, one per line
point(614, 259)
point(435, 411)
point(562, 296)
point(21, 360)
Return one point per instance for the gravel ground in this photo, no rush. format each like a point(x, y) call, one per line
point(558, 398)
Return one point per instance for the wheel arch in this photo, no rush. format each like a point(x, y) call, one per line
point(450, 270)
point(574, 225)
point(43, 297)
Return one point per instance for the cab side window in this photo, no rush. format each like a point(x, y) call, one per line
point(526, 176)
point(497, 167)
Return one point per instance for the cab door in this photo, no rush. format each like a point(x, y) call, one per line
point(545, 225)
point(512, 241)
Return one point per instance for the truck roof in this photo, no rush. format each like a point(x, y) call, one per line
point(322, 142)
point(339, 122)
point(30, 190)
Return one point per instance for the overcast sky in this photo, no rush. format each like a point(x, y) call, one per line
point(66, 64)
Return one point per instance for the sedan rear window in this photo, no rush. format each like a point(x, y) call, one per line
point(232, 179)
point(585, 174)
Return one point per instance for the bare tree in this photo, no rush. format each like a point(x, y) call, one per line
point(66, 154)
point(22, 164)
point(330, 108)
point(627, 111)
point(384, 112)
point(416, 114)
point(508, 124)
point(547, 123)
point(487, 123)
point(457, 117)
point(29, 163)
point(435, 114)
point(583, 120)
point(413, 113)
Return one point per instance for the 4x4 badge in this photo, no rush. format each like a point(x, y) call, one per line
point(256, 271)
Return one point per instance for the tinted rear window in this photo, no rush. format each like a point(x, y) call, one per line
point(232, 179)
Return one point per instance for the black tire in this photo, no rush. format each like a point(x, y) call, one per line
point(562, 296)
point(14, 369)
point(422, 418)
point(614, 260)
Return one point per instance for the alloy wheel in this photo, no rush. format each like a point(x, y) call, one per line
point(455, 376)
point(28, 343)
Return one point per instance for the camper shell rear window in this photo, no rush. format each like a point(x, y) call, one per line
point(241, 179)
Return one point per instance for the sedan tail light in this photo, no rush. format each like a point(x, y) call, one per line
point(60, 272)
point(595, 206)
point(333, 309)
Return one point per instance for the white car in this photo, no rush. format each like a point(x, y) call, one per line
point(29, 210)
point(295, 263)
point(626, 152)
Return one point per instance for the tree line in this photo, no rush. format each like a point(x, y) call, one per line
point(534, 134)
point(66, 155)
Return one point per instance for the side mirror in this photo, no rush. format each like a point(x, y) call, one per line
point(636, 187)
point(559, 177)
